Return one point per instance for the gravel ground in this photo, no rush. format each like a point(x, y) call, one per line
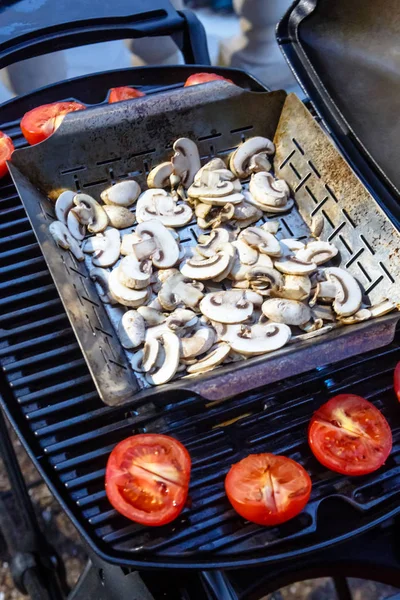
point(63, 536)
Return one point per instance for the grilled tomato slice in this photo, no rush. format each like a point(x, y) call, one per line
point(198, 78)
point(147, 478)
point(124, 93)
point(39, 123)
point(6, 149)
point(350, 435)
point(268, 489)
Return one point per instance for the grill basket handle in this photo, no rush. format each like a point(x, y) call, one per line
point(30, 28)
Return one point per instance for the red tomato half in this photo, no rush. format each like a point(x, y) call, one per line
point(397, 381)
point(268, 489)
point(6, 149)
point(39, 123)
point(147, 478)
point(350, 436)
point(124, 93)
point(204, 78)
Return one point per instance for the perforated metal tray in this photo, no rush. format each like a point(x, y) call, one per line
point(104, 144)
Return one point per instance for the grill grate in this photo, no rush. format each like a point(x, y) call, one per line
point(69, 433)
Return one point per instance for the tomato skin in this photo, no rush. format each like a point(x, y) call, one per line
point(349, 435)
point(6, 150)
point(119, 94)
point(397, 381)
point(268, 489)
point(198, 78)
point(39, 123)
point(147, 478)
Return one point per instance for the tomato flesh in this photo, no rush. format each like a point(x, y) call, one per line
point(147, 478)
point(6, 150)
point(268, 489)
point(124, 93)
point(397, 381)
point(39, 123)
point(350, 435)
point(198, 78)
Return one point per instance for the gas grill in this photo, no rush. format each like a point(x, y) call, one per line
point(48, 393)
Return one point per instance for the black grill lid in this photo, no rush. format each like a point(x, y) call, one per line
point(346, 56)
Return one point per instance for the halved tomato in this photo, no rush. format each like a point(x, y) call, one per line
point(6, 149)
point(39, 123)
point(268, 489)
point(397, 381)
point(124, 93)
point(198, 78)
point(147, 478)
point(350, 435)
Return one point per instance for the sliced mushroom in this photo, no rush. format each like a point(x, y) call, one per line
point(62, 237)
point(265, 242)
point(271, 227)
point(200, 342)
point(131, 329)
point(158, 243)
point(326, 291)
point(124, 193)
point(323, 312)
point(83, 213)
point(128, 241)
point(119, 216)
point(186, 160)
point(267, 191)
point(215, 164)
point(170, 364)
point(181, 318)
point(383, 308)
point(101, 276)
point(133, 273)
point(151, 352)
point(293, 266)
point(290, 312)
point(76, 229)
point(244, 211)
point(227, 306)
point(99, 219)
point(159, 176)
point(295, 287)
point(159, 204)
point(64, 203)
point(124, 295)
point(235, 198)
point(312, 325)
point(177, 290)
point(215, 358)
point(348, 293)
point(361, 315)
point(240, 161)
point(264, 280)
point(257, 339)
point(317, 225)
point(202, 268)
point(317, 252)
point(105, 248)
point(286, 207)
point(290, 245)
point(212, 243)
point(152, 316)
point(211, 185)
point(243, 265)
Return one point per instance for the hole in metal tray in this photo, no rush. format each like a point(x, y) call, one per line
point(209, 137)
point(240, 129)
point(350, 220)
point(363, 270)
point(299, 148)
point(386, 271)
point(366, 244)
point(92, 183)
point(373, 286)
point(354, 258)
point(108, 161)
point(314, 168)
point(73, 170)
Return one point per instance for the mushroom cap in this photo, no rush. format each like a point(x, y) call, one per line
point(159, 175)
point(170, 364)
point(348, 293)
point(317, 252)
point(159, 204)
point(124, 193)
point(202, 268)
point(105, 248)
point(64, 203)
point(62, 237)
point(99, 219)
point(213, 242)
point(186, 160)
point(211, 360)
point(257, 339)
point(290, 312)
point(133, 273)
point(177, 290)
point(131, 329)
point(230, 306)
point(267, 191)
point(167, 249)
point(265, 242)
point(200, 342)
point(152, 316)
point(240, 159)
point(119, 216)
point(124, 295)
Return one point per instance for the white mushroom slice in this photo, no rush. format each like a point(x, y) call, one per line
point(128, 241)
point(293, 266)
point(317, 225)
point(136, 361)
point(76, 229)
point(124, 295)
point(224, 274)
point(119, 216)
point(215, 358)
point(169, 367)
point(186, 160)
point(83, 213)
point(269, 191)
point(203, 268)
point(158, 243)
point(286, 207)
point(151, 352)
point(181, 318)
point(240, 160)
point(383, 308)
point(292, 245)
point(348, 293)
point(227, 306)
point(312, 325)
point(265, 242)
point(245, 211)
point(246, 255)
point(215, 164)
point(317, 252)
point(177, 290)
point(104, 247)
point(99, 219)
point(213, 242)
point(64, 203)
point(131, 329)
point(323, 312)
point(240, 269)
point(264, 279)
point(271, 226)
point(361, 315)
point(159, 176)
point(133, 273)
point(158, 204)
point(257, 339)
point(152, 316)
point(62, 237)
point(259, 162)
point(290, 312)
point(155, 303)
point(215, 188)
point(296, 287)
point(235, 198)
point(326, 291)
point(124, 193)
point(200, 342)
point(101, 276)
